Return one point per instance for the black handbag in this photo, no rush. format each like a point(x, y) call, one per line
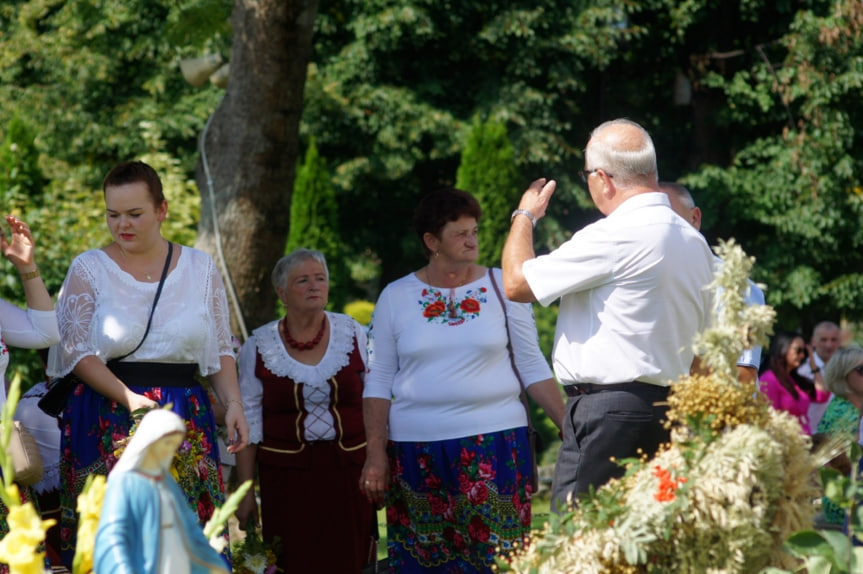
point(532, 434)
point(57, 396)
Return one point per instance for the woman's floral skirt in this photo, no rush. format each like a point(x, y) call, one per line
point(93, 429)
point(453, 504)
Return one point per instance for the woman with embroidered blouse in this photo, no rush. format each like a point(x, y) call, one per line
point(448, 449)
point(302, 381)
point(104, 308)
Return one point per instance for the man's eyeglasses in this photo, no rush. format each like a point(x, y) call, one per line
point(858, 369)
point(585, 173)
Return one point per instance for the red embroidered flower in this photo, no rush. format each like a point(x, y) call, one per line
point(432, 482)
point(434, 310)
point(485, 470)
point(467, 457)
point(478, 493)
point(470, 306)
point(478, 530)
point(437, 505)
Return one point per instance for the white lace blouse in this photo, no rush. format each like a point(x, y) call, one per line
point(316, 389)
point(102, 311)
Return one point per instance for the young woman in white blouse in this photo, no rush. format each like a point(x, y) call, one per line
point(103, 311)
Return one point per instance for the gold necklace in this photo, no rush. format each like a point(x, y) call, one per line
point(126, 259)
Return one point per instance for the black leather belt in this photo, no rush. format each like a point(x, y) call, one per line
point(579, 389)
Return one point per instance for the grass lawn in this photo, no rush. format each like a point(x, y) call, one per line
point(540, 509)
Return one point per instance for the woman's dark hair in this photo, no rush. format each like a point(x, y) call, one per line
point(134, 172)
point(779, 365)
point(439, 207)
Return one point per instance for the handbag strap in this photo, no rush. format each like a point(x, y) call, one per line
point(523, 394)
point(155, 300)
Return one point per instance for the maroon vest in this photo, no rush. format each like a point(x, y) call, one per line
point(284, 414)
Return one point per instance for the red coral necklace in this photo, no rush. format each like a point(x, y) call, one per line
point(303, 345)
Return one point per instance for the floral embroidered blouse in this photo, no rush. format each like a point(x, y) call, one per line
point(102, 311)
point(441, 356)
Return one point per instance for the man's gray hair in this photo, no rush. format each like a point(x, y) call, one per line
point(839, 366)
point(289, 262)
point(627, 166)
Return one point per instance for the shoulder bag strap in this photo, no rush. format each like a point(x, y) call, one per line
point(523, 394)
point(155, 301)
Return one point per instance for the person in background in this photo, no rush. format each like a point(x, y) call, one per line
point(632, 290)
point(783, 385)
point(104, 307)
point(33, 328)
point(302, 383)
point(826, 338)
point(448, 446)
point(683, 204)
point(843, 377)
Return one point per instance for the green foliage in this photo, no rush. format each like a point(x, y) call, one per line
point(21, 178)
point(314, 221)
point(488, 171)
point(791, 193)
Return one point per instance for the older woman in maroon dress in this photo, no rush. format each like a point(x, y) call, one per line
point(302, 382)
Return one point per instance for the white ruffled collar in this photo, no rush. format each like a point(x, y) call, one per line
point(281, 364)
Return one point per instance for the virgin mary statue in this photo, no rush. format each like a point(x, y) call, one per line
point(146, 525)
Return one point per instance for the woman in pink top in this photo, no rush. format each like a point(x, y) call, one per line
point(784, 386)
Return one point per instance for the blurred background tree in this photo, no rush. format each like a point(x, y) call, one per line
point(488, 171)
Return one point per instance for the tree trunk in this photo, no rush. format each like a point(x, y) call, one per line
point(251, 149)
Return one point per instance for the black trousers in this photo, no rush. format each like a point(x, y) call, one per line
point(621, 422)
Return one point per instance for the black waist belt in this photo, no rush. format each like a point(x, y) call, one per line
point(579, 389)
point(155, 374)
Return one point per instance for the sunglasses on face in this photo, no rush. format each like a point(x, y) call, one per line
point(799, 350)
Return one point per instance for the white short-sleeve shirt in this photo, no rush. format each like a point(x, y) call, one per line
point(632, 290)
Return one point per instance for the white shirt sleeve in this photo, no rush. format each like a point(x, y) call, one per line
point(252, 390)
point(28, 329)
point(383, 361)
point(529, 359)
point(579, 264)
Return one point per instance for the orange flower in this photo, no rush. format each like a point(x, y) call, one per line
point(470, 306)
point(667, 485)
point(435, 309)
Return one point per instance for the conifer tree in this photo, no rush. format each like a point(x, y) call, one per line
point(314, 221)
point(487, 170)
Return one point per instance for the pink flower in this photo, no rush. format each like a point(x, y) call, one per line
point(486, 470)
point(478, 493)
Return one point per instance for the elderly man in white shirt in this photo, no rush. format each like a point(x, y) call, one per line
point(632, 291)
